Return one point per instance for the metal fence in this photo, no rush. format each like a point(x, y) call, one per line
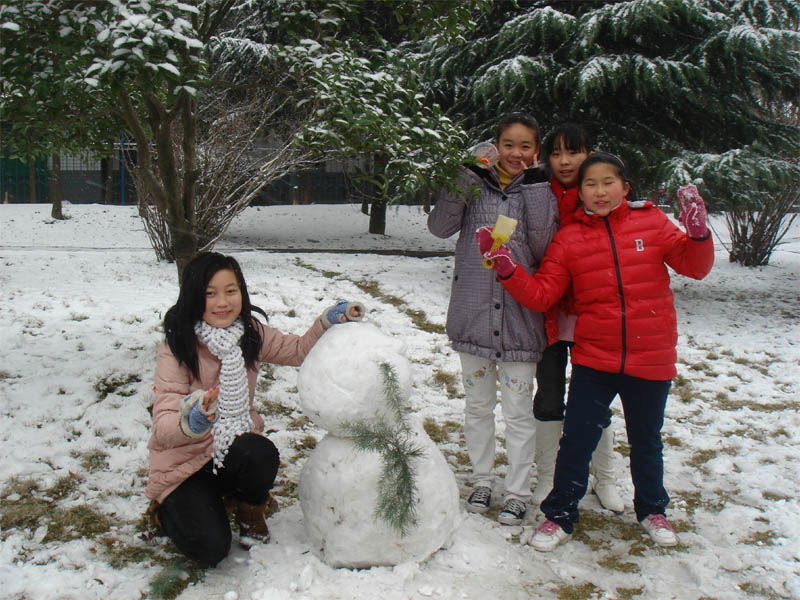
point(84, 180)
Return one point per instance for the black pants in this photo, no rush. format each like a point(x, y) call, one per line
point(194, 516)
point(590, 394)
point(551, 384)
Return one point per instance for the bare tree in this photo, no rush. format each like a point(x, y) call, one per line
point(756, 233)
point(241, 148)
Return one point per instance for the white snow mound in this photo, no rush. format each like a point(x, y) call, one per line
point(341, 379)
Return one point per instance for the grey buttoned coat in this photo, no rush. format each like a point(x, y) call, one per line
point(482, 318)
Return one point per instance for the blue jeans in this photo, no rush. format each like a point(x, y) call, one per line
point(590, 395)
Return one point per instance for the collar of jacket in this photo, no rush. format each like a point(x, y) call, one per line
point(567, 200)
point(528, 176)
point(618, 212)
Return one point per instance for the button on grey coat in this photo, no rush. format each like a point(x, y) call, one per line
point(483, 319)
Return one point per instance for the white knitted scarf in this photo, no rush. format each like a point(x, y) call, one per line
point(233, 402)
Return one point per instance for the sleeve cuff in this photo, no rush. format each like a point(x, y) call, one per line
point(702, 239)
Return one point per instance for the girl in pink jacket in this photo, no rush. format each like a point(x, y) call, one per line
point(206, 440)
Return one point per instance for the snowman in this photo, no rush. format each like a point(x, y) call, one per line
point(376, 490)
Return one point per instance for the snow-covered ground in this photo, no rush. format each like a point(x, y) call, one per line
point(80, 316)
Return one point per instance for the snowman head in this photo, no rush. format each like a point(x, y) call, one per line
point(343, 377)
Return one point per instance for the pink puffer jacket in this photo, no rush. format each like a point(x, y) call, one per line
point(174, 456)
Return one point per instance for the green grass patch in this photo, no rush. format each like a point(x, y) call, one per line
point(582, 591)
point(761, 538)
point(285, 488)
point(701, 457)
point(418, 317)
point(174, 578)
point(773, 497)
point(93, 460)
point(121, 385)
point(323, 272)
point(299, 423)
point(309, 442)
point(23, 505)
point(268, 408)
point(120, 553)
point(615, 562)
point(627, 593)
point(449, 381)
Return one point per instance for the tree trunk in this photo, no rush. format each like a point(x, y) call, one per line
point(56, 188)
point(377, 217)
point(305, 187)
point(107, 168)
point(31, 180)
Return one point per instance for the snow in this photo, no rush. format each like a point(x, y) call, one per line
point(82, 305)
point(342, 382)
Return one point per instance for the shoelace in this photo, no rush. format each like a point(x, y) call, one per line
point(659, 522)
point(514, 506)
point(481, 495)
point(548, 528)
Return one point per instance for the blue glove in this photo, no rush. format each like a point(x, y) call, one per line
point(342, 312)
point(198, 422)
point(194, 419)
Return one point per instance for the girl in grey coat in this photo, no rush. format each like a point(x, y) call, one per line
point(497, 338)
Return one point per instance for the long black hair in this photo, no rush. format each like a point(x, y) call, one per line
point(180, 319)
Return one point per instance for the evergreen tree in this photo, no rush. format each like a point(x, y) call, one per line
point(151, 65)
point(683, 90)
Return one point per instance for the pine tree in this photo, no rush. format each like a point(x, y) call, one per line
point(682, 90)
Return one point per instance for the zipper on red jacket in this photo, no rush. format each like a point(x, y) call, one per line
point(621, 294)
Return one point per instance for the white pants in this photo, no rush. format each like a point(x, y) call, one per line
point(516, 397)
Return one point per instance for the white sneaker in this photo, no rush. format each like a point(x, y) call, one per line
point(659, 530)
point(548, 536)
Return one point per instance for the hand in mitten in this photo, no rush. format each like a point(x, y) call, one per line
point(342, 312)
point(485, 239)
point(199, 411)
point(500, 260)
point(693, 212)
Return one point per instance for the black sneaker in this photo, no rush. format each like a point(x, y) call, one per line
point(479, 499)
point(513, 512)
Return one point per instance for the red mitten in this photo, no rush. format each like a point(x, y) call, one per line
point(693, 212)
point(500, 260)
point(484, 237)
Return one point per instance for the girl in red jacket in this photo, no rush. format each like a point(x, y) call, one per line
point(567, 146)
point(207, 439)
point(615, 256)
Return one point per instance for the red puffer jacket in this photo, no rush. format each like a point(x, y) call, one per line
point(618, 269)
point(568, 202)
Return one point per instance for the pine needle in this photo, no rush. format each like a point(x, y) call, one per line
point(397, 490)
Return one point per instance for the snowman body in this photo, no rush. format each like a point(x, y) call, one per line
point(341, 381)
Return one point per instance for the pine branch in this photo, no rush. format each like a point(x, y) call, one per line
point(397, 490)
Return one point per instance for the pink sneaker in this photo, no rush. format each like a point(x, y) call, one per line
point(548, 536)
point(659, 530)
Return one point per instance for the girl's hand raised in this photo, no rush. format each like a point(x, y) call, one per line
point(693, 212)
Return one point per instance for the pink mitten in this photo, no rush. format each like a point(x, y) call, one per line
point(501, 261)
point(693, 212)
point(484, 237)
